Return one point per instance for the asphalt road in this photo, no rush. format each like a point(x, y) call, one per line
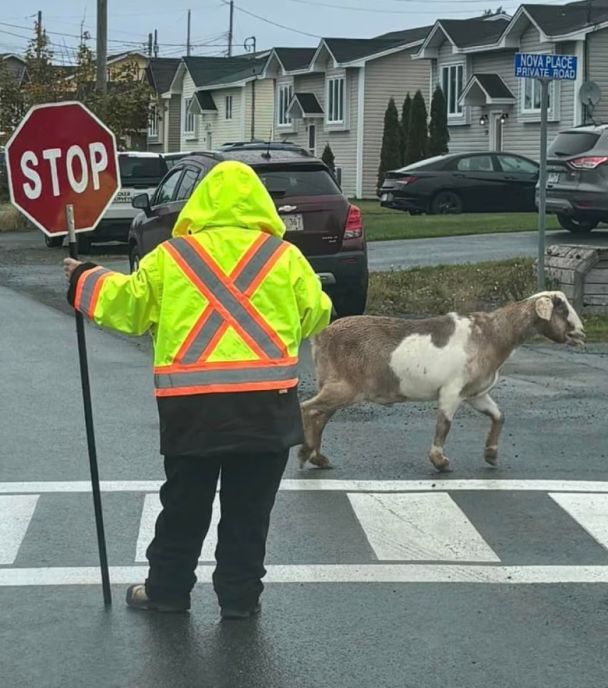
point(381, 572)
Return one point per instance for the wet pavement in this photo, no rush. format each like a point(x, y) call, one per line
point(381, 572)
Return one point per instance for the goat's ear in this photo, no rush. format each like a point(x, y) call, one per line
point(544, 307)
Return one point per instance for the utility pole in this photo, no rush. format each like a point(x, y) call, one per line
point(149, 45)
point(155, 42)
point(102, 47)
point(188, 48)
point(231, 28)
point(39, 35)
point(250, 45)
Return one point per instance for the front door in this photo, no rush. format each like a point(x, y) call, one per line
point(496, 131)
point(312, 139)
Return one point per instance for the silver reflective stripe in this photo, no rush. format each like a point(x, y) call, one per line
point(86, 296)
point(225, 297)
point(257, 262)
point(203, 378)
point(203, 338)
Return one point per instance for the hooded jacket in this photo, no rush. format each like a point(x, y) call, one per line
point(228, 303)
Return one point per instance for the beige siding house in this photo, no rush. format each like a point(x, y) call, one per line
point(164, 123)
point(337, 94)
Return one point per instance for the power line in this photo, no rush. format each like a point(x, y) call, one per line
point(272, 23)
point(371, 10)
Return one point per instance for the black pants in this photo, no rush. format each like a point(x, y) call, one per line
point(249, 483)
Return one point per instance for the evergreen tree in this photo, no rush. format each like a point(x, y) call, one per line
point(406, 113)
point(390, 153)
point(417, 141)
point(439, 135)
point(44, 83)
point(329, 158)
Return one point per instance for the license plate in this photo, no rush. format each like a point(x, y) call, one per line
point(293, 223)
point(122, 197)
point(553, 178)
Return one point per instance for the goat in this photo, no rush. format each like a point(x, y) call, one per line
point(450, 358)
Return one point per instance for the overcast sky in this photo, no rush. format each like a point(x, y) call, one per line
point(130, 21)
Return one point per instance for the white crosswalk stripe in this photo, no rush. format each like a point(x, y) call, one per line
point(16, 512)
point(150, 512)
point(589, 510)
point(419, 527)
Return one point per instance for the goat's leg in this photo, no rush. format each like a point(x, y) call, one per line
point(316, 413)
point(486, 405)
point(449, 401)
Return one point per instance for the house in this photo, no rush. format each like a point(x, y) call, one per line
point(337, 94)
point(488, 107)
point(223, 100)
point(165, 109)
point(15, 65)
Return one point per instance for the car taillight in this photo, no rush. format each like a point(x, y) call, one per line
point(406, 180)
point(588, 162)
point(354, 223)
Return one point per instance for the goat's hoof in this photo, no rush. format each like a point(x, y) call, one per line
point(491, 456)
point(441, 463)
point(320, 461)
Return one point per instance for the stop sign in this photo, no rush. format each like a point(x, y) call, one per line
point(61, 155)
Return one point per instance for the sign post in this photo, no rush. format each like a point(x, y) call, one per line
point(544, 69)
point(63, 174)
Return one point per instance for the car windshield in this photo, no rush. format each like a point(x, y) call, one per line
point(572, 143)
point(141, 170)
point(298, 181)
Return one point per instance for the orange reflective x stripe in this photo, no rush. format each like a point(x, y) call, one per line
point(87, 290)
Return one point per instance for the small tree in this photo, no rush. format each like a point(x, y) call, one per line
point(390, 153)
point(329, 158)
point(439, 135)
point(44, 83)
point(406, 113)
point(417, 140)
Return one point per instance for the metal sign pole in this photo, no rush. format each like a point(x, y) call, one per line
point(88, 419)
point(542, 181)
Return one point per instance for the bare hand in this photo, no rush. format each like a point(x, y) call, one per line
point(69, 265)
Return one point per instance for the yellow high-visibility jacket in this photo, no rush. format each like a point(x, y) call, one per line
point(228, 302)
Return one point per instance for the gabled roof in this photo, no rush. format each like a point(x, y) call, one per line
point(486, 89)
point(161, 71)
point(406, 36)
point(305, 105)
point(346, 50)
point(205, 102)
point(125, 54)
point(245, 71)
point(213, 72)
point(293, 59)
point(464, 33)
point(6, 56)
point(564, 19)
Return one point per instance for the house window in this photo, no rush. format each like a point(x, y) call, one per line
point(153, 122)
point(228, 109)
point(285, 97)
point(188, 116)
point(335, 100)
point(452, 83)
point(532, 95)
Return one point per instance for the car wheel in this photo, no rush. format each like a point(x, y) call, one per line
point(134, 258)
point(53, 241)
point(576, 224)
point(446, 203)
point(351, 303)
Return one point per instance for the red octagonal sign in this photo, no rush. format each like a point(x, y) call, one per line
point(61, 155)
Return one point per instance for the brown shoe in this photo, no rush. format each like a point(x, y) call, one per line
point(138, 599)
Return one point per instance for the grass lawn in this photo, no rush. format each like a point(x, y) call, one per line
point(382, 223)
point(462, 288)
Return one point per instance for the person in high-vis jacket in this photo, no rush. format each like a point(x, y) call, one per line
point(228, 303)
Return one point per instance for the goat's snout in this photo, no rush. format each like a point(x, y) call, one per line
point(576, 337)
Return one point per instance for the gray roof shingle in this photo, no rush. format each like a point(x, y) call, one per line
point(467, 33)
point(295, 58)
point(493, 85)
point(161, 71)
point(562, 19)
point(207, 71)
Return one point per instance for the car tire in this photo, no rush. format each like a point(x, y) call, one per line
point(134, 258)
point(351, 303)
point(576, 225)
point(53, 241)
point(446, 203)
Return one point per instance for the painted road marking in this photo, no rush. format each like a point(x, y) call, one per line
point(589, 510)
point(150, 511)
point(441, 484)
point(15, 515)
point(419, 527)
point(331, 573)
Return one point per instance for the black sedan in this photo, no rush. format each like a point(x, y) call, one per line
point(456, 183)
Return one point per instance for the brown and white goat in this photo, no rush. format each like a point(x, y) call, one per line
point(451, 358)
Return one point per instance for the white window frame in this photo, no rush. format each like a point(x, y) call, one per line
point(335, 99)
point(535, 89)
point(284, 98)
point(228, 107)
point(189, 117)
point(447, 92)
point(153, 121)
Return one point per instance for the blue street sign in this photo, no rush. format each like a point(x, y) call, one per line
point(554, 67)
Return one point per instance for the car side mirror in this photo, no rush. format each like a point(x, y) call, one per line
point(142, 202)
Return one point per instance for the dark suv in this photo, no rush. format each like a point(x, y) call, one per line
point(577, 181)
point(320, 221)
